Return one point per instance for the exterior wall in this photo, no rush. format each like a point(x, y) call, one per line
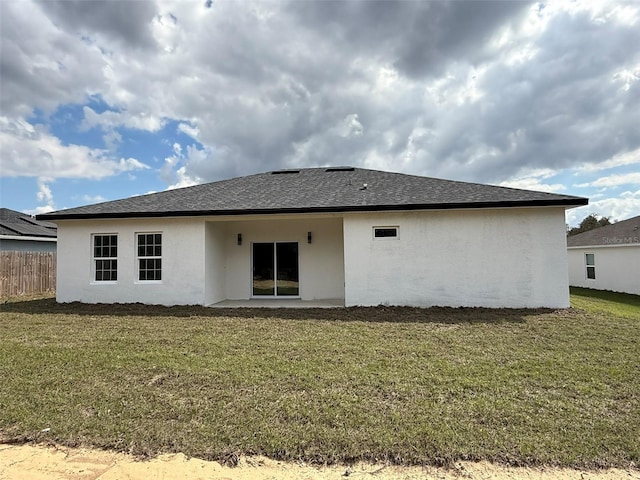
point(25, 245)
point(320, 263)
point(201, 261)
point(486, 258)
point(183, 269)
point(215, 262)
point(489, 258)
point(617, 268)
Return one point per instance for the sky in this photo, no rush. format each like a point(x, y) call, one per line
point(106, 100)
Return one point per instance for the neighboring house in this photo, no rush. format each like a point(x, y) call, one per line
point(607, 258)
point(346, 235)
point(23, 233)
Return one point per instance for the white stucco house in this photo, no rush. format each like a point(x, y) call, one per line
point(607, 258)
point(343, 235)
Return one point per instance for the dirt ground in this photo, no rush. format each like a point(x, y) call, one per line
point(18, 462)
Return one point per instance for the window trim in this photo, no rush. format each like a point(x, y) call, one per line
point(377, 228)
point(588, 266)
point(95, 259)
point(139, 257)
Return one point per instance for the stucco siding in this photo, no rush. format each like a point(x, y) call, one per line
point(488, 258)
point(215, 262)
point(617, 268)
point(183, 268)
point(320, 262)
point(22, 245)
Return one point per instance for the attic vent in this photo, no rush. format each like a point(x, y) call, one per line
point(282, 172)
point(340, 169)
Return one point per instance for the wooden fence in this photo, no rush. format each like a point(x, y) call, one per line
point(27, 273)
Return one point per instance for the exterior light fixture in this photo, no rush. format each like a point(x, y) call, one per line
point(309, 238)
point(239, 239)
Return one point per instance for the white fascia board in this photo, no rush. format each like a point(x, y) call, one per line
point(31, 239)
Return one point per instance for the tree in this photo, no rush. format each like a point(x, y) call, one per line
point(590, 222)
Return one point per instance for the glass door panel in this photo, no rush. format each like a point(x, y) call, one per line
point(275, 269)
point(263, 269)
point(288, 282)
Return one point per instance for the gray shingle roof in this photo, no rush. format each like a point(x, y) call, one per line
point(21, 225)
point(340, 189)
point(626, 232)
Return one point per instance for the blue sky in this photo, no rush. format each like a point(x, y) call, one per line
point(104, 100)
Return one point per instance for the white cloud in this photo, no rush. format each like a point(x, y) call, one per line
point(40, 209)
point(615, 180)
point(44, 192)
point(533, 184)
point(45, 196)
point(625, 206)
point(618, 160)
point(112, 140)
point(93, 199)
point(532, 180)
point(183, 179)
point(177, 177)
point(109, 120)
point(29, 150)
point(189, 130)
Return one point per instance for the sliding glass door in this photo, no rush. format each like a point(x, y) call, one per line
point(275, 269)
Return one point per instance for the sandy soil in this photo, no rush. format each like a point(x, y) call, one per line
point(57, 463)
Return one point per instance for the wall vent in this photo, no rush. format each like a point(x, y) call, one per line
point(340, 169)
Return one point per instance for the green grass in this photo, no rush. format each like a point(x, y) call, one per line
point(403, 385)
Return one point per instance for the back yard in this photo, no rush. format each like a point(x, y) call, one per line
point(399, 385)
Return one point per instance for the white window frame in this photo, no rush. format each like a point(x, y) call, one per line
point(385, 238)
point(588, 265)
point(148, 257)
point(95, 259)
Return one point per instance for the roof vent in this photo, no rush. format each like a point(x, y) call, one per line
point(282, 172)
point(340, 169)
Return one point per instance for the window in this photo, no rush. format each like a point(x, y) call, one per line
point(105, 258)
point(149, 257)
point(385, 232)
point(590, 261)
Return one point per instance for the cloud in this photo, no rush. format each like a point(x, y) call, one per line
point(189, 130)
point(419, 39)
point(618, 160)
point(42, 65)
point(174, 170)
point(44, 192)
point(614, 180)
point(93, 199)
point(625, 206)
point(127, 23)
point(531, 183)
point(479, 91)
point(39, 210)
point(44, 195)
point(29, 150)
point(108, 120)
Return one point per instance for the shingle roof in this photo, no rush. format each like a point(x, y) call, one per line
point(21, 225)
point(332, 189)
point(626, 232)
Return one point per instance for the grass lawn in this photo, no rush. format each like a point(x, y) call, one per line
point(403, 385)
